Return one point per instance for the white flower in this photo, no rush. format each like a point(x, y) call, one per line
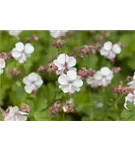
point(130, 98)
point(21, 51)
point(58, 33)
point(14, 114)
point(70, 82)
point(109, 50)
point(2, 65)
point(32, 82)
point(64, 62)
point(132, 83)
point(101, 78)
point(15, 32)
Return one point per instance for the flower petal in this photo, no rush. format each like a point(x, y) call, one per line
point(19, 46)
point(63, 79)
point(116, 48)
point(105, 71)
point(2, 63)
point(15, 53)
point(71, 74)
point(71, 62)
point(39, 82)
point(57, 64)
point(26, 81)
point(62, 58)
point(98, 75)
point(78, 82)
point(28, 48)
point(104, 52)
point(108, 46)
point(28, 89)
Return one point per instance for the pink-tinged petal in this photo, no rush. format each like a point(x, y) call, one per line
point(26, 81)
point(111, 55)
point(108, 46)
point(72, 75)
point(15, 53)
point(19, 46)
point(63, 79)
point(28, 48)
point(98, 76)
point(57, 64)
point(71, 62)
point(2, 63)
point(116, 48)
point(78, 82)
point(105, 71)
point(63, 58)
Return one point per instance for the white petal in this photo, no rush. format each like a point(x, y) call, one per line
point(19, 46)
point(62, 58)
point(105, 71)
point(57, 64)
point(71, 74)
point(29, 89)
point(104, 52)
point(33, 76)
point(2, 63)
point(15, 53)
point(78, 82)
point(28, 48)
point(26, 81)
point(63, 79)
point(111, 55)
point(108, 46)
point(116, 48)
point(98, 75)
point(39, 82)
point(22, 59)
point(71, 62)
point(110, 76)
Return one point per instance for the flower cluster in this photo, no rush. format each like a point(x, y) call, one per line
point(69, 80)
point(14, 114)
point(103, 77)
point(132, 83)
point(21, 52)
point(109, 50)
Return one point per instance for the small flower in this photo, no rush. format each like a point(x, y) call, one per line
point(21, 51)
point(13, 114)
point(132, 83)
point(64, 62)
point(15, 32)
point(130, 98)
point(56, 108)
point(70, 82)
point(101, 78)
point(58, 33)
point(2, 65)
point(32, 82)
point(109, 50)
point(58, 44)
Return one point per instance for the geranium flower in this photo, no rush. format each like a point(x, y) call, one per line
point(58, 33)
point(15, 32)
point(132, 83)
point(2, 65)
